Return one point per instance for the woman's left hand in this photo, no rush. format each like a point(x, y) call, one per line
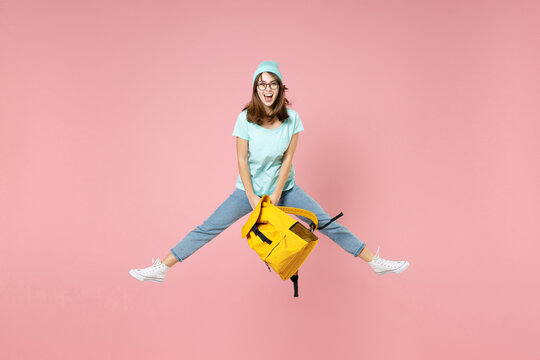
point(274, 198)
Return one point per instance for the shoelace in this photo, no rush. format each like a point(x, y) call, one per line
point(383, 262)
point(154, 266)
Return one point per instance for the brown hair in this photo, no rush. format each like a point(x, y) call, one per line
point(256, 112)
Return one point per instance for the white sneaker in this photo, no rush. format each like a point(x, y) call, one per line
point(382, 266)
point(155, 273)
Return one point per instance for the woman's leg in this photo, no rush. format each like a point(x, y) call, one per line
point(342, 236)
point(233, 208)
point(297, 197)
point(365, 254)
point(170, 260)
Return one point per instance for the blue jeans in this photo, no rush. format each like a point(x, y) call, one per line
point(237, 205)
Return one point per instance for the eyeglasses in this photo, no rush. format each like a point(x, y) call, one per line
point(262, 85)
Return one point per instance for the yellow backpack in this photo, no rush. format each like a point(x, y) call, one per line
point(280, 240)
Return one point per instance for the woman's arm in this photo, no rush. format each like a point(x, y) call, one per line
point(285, 168)
point(243, 167)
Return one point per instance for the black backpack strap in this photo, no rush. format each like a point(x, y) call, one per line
point(260, 234)
point(328, 223)
point(294, 279)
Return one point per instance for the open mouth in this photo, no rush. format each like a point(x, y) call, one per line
point(268, 98)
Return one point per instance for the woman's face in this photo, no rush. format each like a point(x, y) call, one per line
point(268, 95)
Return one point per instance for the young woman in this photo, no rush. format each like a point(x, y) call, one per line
point(266, 137)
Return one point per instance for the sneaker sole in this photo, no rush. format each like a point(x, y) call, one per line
point(400, 269)
point(144, 278)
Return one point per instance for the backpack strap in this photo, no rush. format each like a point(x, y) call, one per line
point(334, 218)
point(294, 279)
point(302, 212)
point(310, 215)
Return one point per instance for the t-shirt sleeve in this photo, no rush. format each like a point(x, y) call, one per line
point(241, 127)
point(298, 126)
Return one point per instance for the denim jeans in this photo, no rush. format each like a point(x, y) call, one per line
point(237, 205)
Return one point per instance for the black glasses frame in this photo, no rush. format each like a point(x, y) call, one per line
point(263, 85)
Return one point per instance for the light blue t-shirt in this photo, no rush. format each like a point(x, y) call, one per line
point(265, 151)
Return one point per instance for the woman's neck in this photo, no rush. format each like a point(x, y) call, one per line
point(271, 120)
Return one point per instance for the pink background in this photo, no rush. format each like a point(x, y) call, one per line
point(421, 125)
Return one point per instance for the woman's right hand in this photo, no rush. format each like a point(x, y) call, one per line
point(253, 201)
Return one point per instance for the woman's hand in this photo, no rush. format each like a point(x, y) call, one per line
point(253, 201)
point(274, 198)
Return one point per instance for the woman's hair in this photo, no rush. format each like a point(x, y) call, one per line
point(256, 112)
